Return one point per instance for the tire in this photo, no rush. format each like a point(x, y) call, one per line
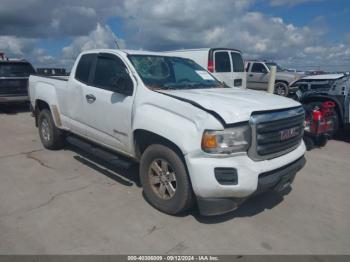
point(309, 143)
point(156, 182)
point(281, 89)
point(51, 137)
point(322, 141)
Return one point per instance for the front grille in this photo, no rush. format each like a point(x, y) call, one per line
point(276, 133)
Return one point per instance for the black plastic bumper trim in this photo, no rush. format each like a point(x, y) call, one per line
point(271, 180)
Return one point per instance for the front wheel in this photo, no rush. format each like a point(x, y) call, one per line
point(164, 180)
point(281, 89)
point(51, 137)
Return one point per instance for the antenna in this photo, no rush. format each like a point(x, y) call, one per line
point(116, 43)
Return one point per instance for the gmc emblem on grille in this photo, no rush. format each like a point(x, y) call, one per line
point(289, 133)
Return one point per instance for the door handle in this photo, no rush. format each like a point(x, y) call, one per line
point(90, 98)
point(251, 75)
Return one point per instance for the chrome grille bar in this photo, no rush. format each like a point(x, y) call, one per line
point(267, 128)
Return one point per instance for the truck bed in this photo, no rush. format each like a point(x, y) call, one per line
point(41, 86)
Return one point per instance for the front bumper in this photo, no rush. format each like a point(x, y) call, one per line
point(208, 189)
point(276, 180)
point(14, 99)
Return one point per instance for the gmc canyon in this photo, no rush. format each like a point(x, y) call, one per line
point(196, 139)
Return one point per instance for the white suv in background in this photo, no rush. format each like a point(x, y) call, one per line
point(224, 63)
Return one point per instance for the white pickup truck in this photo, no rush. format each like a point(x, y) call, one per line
point(197, 140)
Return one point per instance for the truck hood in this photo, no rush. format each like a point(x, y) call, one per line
point(232, 104)
point(289, 76)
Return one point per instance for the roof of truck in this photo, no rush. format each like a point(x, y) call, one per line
point(203, 49)
point(144, 52)
point(125, 51)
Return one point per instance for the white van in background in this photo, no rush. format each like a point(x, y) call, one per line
point(225, 64)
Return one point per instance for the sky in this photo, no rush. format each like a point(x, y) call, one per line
point(299, 34)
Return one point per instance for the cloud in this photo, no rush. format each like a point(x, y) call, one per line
point(40, 18)
point(208, 24)
point(16, 46)
point(100, 37)
point(347, 38)
point(291, 2)
point(162, 25)
point(167, 25)
point(19, 47)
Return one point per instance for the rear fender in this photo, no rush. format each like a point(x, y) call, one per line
point(46, 92)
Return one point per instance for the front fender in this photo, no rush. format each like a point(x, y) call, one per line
point(183, 129)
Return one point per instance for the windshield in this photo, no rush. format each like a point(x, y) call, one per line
point(15, 69)
point(162, 72)
point(279, 68)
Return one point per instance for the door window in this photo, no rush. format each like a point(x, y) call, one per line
point(259, 68)
point(109, 71)
point(83, 69)
point(222, 62)
point(237, 62)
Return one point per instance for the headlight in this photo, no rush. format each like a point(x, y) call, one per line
point(230, 140)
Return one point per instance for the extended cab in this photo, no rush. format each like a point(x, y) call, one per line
point(258, 74)
point(196, 139)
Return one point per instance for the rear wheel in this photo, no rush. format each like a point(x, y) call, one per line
point(281, 89)
point(51, 137)
point(164, 180)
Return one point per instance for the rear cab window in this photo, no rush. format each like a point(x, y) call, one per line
point(16, 69)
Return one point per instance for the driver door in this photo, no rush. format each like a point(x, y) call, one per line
point(258, 77)
point(107, 113)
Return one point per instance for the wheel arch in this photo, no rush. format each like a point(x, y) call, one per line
point(144, 138)
point(282, 81)
point(41, 105)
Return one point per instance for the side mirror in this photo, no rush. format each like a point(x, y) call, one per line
point(124, 86)
point(264, 71)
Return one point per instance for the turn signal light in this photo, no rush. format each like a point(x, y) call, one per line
point(209, 141)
